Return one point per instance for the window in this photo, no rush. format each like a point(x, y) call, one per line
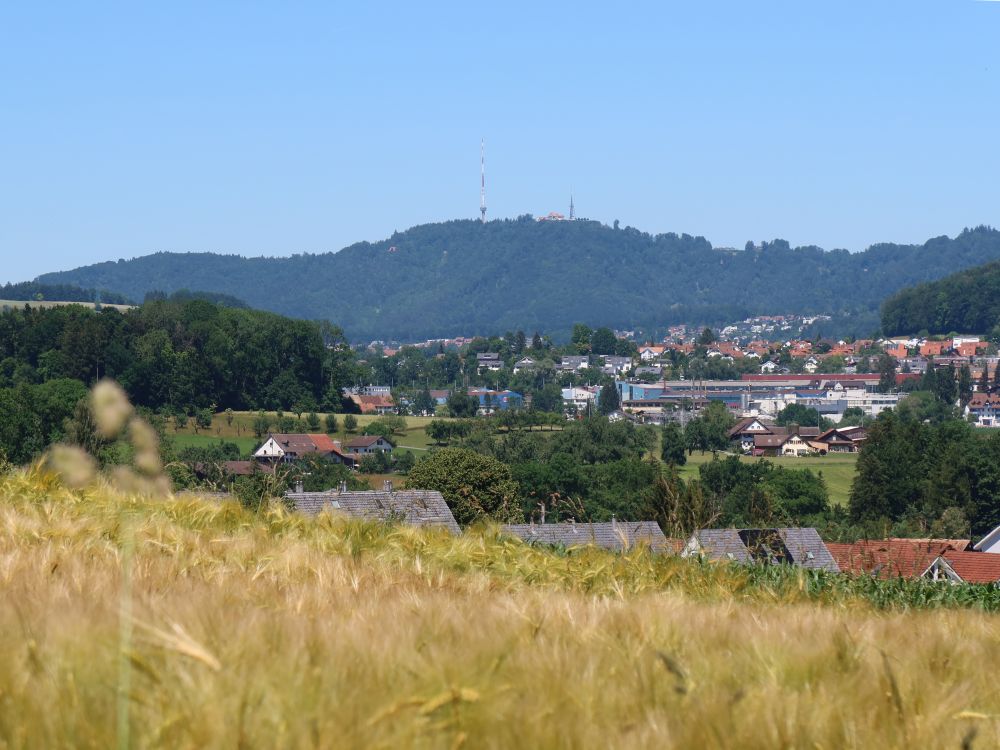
point(765, 546)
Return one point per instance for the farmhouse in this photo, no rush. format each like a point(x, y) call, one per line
point(288, 447)
point(378, 404)
point(365, 444)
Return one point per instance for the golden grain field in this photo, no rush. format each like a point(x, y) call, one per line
point(183, 623)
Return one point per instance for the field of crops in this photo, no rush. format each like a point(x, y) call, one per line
point(184, 623)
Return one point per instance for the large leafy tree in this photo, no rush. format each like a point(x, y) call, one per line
point(475, 486)
point(608, 399)
point(673, 452)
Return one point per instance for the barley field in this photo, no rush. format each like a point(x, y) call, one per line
point(163, 622)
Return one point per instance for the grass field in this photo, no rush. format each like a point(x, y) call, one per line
point(180, 623)
point(838, 471)
point(240, 430)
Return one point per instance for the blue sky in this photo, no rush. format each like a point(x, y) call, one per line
point(303, 127)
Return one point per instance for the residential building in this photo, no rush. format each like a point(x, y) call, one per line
point(287, 447)
point(892, 558)
point(373, 404)
point(489, 362)
point(989, 543)
point(613, 535)
point(579, 399)
point(791, 546)
point(573, 363)
point(365, 444)
point(524, 365)
point(984, 408)
point(414, 507)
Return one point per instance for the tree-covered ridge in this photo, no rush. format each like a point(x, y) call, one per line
point(967, 301)
point(463, 277)
point(27, 291)
point(174, 354)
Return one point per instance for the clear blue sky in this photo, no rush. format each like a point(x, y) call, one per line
point(303, 127)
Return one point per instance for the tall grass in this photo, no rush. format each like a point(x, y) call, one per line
point(274, 630)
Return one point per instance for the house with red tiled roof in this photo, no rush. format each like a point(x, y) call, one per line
point(969, 348)
point(984, 408)
point(892, 558)
point(650, 352)
point(934, 348)
point(373, 404)
point(964, 566)
point(288, 447)
point(897, 350)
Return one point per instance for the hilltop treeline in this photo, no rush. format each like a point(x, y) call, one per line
point(464, 277)
point(175, 354)
point(968, 301)
point(26, 291)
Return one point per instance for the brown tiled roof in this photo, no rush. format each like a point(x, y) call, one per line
point(974, 567)
point(740, 426)
point(301, 443)
point(370, 404)
point(959, 544)
point(770, 441)
point(244, 468)
point(614, 535)
point(889, 558)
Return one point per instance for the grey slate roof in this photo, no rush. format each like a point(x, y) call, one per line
point(803, 545)
point(416, 507)
point(615, 535)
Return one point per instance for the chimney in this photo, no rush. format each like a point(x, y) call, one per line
point(298, 485)
point(343, 487)
point(387, 485)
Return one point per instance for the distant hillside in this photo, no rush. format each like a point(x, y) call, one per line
point(463, 277)
point(967, 301)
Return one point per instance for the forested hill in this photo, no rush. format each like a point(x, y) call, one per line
point(463, 277)
point(966, 302)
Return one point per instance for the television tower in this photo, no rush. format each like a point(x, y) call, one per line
point(482, 181)
point(572, 215)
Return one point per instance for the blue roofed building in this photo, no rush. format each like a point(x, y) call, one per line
point(491, 401)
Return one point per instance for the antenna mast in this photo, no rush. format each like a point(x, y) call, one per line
point(572, 214)
point(482, 181)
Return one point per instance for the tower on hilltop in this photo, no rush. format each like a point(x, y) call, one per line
point(572, 213)
point(482, 181)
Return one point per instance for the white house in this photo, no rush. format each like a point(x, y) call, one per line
point(796, 446)
point(524, 364)
point(990, 542)
point(578, 398)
